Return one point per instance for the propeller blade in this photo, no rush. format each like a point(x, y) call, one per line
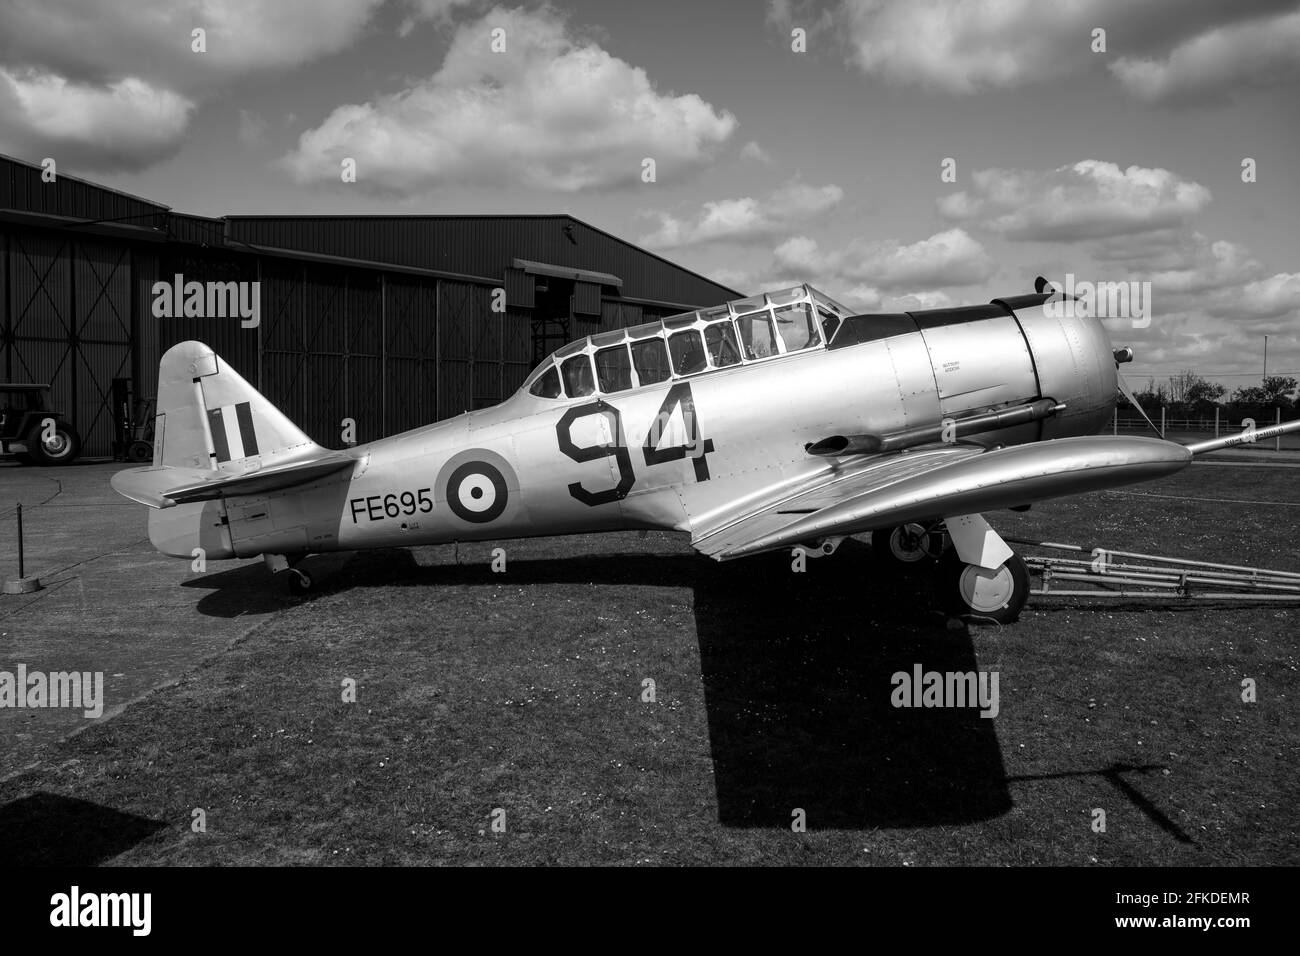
point(1128, 393)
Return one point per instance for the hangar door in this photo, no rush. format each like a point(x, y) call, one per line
point(67, 321)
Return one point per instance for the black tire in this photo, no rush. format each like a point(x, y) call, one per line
point(139, 451)
point(300, 582)
point(63, 449)
point(889, 547)
point(1001, 594)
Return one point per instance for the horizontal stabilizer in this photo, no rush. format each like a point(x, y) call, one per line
point(167, 485)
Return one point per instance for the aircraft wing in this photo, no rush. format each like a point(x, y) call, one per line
point(933, 482)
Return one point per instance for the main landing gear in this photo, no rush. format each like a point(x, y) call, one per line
point(997, 595)
point(908, 545)
point(299, 581)
point(978, 576)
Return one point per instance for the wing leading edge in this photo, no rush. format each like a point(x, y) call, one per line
point(939, 482)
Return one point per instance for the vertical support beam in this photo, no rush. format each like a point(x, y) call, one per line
point(261, 342)
point(9, 308)
point(132, 328)
point(437, 349)
point(1277, 442)
point(1163, 410)
point(1216, 421)
point(383, 355)
point(1114, 425)
point(348, 324)
point(74, 349)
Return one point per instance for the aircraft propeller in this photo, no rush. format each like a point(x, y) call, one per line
point(1126, 355)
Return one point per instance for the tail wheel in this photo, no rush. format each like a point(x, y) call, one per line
point(139, 450)
point(971, 591)
point(906, 545)
point(59, 446)
point(300, 582)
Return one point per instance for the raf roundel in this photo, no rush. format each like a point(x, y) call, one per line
point(476, 491)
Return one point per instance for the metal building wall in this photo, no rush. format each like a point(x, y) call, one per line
point(411, 350)
point(620, 315)
point(234, 343)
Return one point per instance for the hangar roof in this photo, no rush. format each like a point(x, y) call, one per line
point(478, 247)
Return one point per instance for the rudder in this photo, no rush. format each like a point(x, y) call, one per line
point(209, 416)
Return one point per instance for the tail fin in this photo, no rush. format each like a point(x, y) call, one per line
point(209, 417)
point(216, 437)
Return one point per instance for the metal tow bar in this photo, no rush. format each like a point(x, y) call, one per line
point(1128, 574)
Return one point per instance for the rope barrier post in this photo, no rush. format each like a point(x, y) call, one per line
point(22, 584)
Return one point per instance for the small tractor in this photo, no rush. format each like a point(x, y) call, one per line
point(31, 431)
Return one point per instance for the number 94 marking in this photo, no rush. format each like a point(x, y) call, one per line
point(695, 447)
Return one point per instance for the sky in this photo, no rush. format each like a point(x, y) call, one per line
point(897, 154)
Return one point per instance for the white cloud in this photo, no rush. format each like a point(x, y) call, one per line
point(918, 301)
point(959, 48)
point(752, 151)
point(944, 260)
point(1211, 265)
point(553, 113)
point(1270, 298)
point(745, 219)
point(122, 124)
point(1255, 53)
point(437, 11)
point(973, 45)
point(112, 84)
point(252, 127)
point(99, 40)
point(1087, 200)
point(800, 254)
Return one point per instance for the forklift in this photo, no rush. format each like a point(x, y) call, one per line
point(134, 422)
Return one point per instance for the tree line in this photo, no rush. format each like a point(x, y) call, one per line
point(1189, 394)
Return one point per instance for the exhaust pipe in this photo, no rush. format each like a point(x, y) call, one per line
point(840, 445)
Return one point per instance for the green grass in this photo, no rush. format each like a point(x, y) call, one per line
point(522, 691)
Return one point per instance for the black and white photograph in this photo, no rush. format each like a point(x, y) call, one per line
point(550, 435)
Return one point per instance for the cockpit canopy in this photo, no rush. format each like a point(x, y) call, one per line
point(741, 332)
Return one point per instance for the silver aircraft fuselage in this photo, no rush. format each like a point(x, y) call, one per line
point(672, 454)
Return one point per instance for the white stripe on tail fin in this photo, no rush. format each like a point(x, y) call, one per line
point(216, 437)
point(210, 417)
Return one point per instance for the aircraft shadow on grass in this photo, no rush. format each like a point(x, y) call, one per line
point(47, 829)
point(796, 671)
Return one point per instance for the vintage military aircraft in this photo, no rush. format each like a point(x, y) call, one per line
point(777, 422)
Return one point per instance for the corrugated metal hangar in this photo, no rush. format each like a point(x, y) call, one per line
point(387, 320)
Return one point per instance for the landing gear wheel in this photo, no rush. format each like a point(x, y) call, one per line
point(139, 450)
point(300, 582)
point(62, 448)
point(906, 546)
point(983, 595)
